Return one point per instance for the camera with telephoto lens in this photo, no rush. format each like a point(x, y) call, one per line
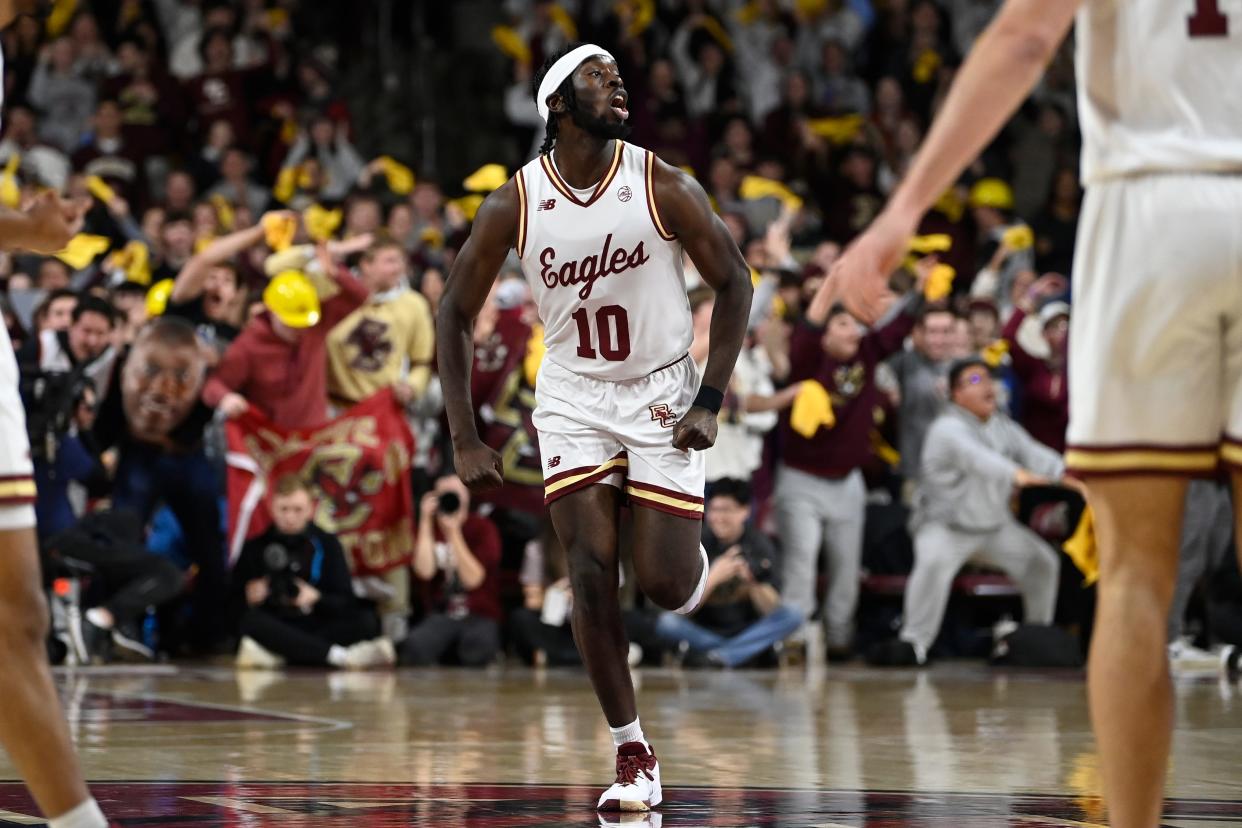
point(283, 572)
point(51, 399)
point(448, 503)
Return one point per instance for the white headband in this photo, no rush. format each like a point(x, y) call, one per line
point(562, 69)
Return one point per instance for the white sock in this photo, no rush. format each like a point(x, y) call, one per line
point(632, 732)
point(98, 617)
point(337, 655)
point(86, 815)
point(696, 596)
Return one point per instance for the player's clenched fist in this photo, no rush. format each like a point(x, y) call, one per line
point(695, 431)
point(480, 468)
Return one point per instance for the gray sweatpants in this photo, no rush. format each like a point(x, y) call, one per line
point(940, 551)
point(814, 513)
point(1206, 531)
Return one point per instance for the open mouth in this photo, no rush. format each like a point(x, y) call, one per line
point(618, 103)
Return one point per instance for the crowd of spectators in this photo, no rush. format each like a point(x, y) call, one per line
point(242, 254)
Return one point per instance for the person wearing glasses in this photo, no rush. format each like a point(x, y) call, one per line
point(973, 459)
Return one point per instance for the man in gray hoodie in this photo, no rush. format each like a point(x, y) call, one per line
point(973, 458)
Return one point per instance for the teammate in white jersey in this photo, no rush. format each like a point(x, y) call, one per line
point(32, 726)
point(600, 227)
point(1156, 345)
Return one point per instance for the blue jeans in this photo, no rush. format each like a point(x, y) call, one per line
point(776, 626)
point(188, 484)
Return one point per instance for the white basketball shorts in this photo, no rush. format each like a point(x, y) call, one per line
point(1155, 361)
point(17, 487)
point(620, 433)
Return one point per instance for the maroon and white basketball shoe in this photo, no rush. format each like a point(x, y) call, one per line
point(638, 780)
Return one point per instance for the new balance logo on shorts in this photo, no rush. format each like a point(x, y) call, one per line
point(553, 462)
point(547, 204)
point(661, 412)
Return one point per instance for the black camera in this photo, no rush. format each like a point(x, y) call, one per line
point(283, 572)
point(51, 399)
point(448, 503)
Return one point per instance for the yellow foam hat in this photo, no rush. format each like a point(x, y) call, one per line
point(486, 178)
point(991, 192)
point(158, 296)
point(291, 297)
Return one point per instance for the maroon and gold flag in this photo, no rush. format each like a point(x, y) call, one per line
point(358, 467)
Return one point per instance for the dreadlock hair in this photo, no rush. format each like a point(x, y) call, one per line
point(565, 90)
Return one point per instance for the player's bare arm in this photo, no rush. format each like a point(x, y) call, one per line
point(46, 226)
point(1006, 62)
point(688, 214)
point(469, 282)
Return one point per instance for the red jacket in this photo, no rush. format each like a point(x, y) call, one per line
point(287, 381)
point(1045, 390)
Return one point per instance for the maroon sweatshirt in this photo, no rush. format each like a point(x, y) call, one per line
point(1045, 390)
point(837, 451)
point(287, 381)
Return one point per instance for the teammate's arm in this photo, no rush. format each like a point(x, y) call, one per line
point(474, 270)
point(1005, 63)
point(687, 213)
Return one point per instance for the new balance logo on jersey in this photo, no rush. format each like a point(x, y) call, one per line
point(607, 262)
point(547, 204)
point(553, 462)
point(661, 412)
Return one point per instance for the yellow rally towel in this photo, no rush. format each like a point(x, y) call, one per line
point(939, 283)
point(286, 184)
point(1082, 549)
point(279, 230)
point(60, 17)
point(486, 178)
point(469, 205)
point(925, 66)
point(713, 27)
point(400, 177)
point(535, 349)
point(100, 188)
point(10, 192)
point(640, 14)
point(812, 409)
point(931, 243)
point(321, 223)
point(82, 250)
point(135, 260)
point(1018, 237)
point(510, 43)
point(561, 18)
point(225, 214)
point(995, 353)
point(755, 187)
point(839, 130)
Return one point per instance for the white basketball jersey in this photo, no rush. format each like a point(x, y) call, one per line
point(604, 271)
point(1159, 86)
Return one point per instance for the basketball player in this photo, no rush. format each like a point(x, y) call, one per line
point(599, 226)
point(1156, 344)
point(32, 727)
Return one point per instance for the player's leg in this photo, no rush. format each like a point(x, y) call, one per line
point(1138, 523)
point(32, 725)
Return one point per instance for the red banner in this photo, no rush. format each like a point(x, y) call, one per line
point(358, 467)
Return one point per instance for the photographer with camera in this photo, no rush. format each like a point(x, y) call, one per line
point(457, 559)
point(84, 349)
point(742, 614)
point(300, 605)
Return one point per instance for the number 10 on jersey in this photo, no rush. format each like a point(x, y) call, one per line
point(612, 325)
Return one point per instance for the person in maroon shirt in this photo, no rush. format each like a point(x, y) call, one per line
point(281, 370)
point(457, 561)
point(1045, 387)
point(820, 495)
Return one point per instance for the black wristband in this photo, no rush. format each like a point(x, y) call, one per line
point(709, 398)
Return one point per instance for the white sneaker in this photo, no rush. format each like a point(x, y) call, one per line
point(638, 780)
point(646, 819)
point(367, 655)
point(1187, 658)
point(251, 655)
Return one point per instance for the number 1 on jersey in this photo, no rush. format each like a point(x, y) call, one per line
point(1208, 20)
point(606, 318)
